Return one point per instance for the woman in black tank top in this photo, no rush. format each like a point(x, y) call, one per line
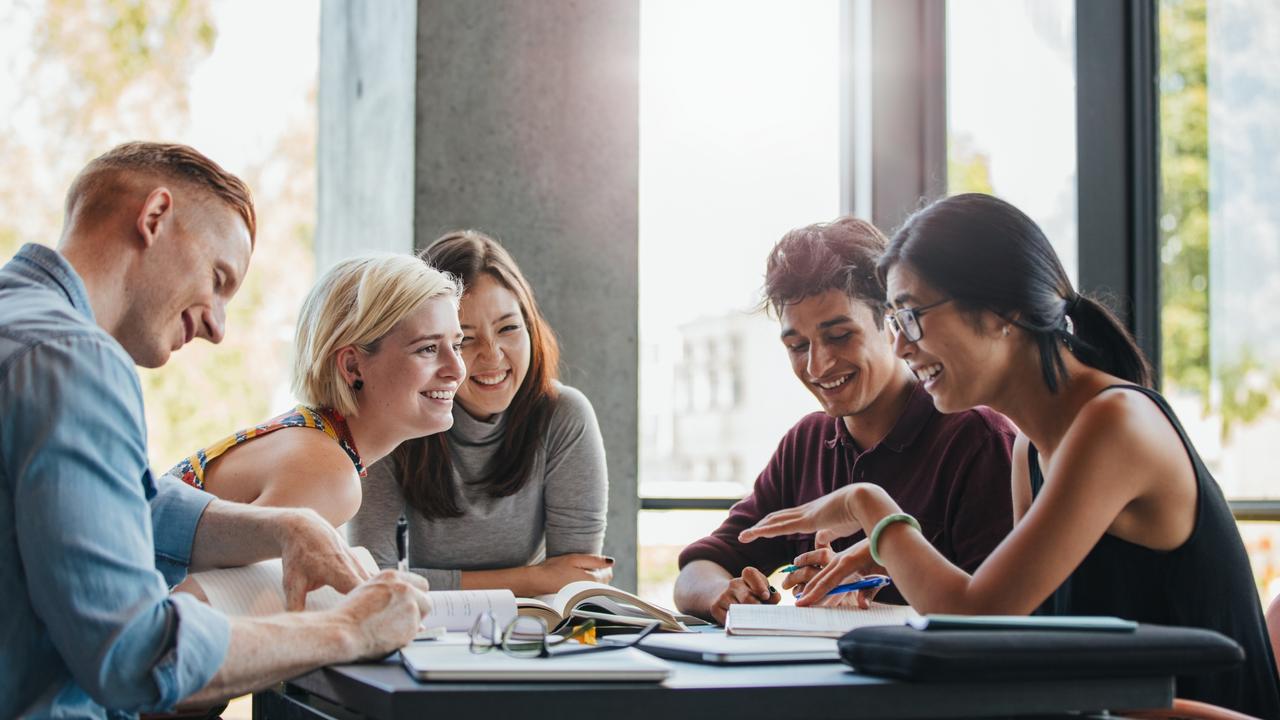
point(1115, 514)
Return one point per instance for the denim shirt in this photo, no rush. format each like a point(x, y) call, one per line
point(90, 542)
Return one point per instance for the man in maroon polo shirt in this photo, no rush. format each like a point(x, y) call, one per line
point(950, 471)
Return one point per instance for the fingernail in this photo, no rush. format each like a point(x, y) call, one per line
point(608, 559)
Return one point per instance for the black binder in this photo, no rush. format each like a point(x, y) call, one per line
point(950, 655)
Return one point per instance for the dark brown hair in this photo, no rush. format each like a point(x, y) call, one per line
point(986, 254)
point(839, 255)
point(97, 186)
point(424, 465)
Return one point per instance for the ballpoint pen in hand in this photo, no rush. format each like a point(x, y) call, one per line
point(402, 544)
point(867, 583)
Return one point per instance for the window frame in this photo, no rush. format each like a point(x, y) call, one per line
point(1118, 151)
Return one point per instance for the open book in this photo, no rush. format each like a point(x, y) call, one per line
point(811, 621)
point(605, 604)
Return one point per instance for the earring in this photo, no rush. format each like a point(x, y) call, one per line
point(1005, 331)
point(358, 385)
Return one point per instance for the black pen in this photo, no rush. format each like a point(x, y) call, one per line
point(402, 544)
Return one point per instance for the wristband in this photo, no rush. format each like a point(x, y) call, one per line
point(885, 522)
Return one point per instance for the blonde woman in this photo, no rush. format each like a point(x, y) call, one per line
point(376, 363)
point(515, 494)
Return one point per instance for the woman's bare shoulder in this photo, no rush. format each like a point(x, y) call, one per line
point(277, 462)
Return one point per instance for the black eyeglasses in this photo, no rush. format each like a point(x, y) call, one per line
point(527, 637)
point(906, 321)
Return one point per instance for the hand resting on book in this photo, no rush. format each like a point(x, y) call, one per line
point(554, 573)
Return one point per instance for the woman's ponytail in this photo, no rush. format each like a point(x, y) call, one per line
point(1100, 341)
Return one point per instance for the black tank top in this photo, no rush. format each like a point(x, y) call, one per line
point(1206, 582)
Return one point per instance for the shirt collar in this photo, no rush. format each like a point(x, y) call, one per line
point(46, 266)
point(918, 411)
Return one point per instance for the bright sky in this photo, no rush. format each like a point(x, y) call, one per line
point(236, 93)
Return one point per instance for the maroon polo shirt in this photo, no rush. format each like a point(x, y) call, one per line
point(949, 471)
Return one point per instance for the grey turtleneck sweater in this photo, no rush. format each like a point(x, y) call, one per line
point(560, 510)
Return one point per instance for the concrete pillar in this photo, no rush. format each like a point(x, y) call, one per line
point(526, 126)
point(365, 162)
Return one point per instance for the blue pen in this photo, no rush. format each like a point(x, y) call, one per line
point(863, 584)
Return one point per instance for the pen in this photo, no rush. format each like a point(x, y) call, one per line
point(402, 544)
point(863, 584)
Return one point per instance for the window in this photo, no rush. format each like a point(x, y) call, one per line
point(1011, 109)
point(1220, 245)
point(234, 80)
point(739, 113)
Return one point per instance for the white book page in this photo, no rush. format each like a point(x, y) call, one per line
point(819, 621)
point(456, 610)
point(258, 589)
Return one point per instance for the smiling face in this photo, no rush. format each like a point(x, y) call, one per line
point(959, 359)
point(495, 346)
point(411, 379)
point(837, 351)
point(180, 287)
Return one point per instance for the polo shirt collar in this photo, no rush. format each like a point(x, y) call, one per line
point(46, 266)
point(915, 415)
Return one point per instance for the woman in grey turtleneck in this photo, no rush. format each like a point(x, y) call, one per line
point(515, 494)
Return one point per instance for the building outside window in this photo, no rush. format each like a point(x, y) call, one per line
point(739, 113)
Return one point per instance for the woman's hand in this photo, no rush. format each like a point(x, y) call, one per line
point(849, 565)
point(554, 573)
point(830, 515)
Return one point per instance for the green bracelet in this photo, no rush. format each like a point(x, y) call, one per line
point(885, 522)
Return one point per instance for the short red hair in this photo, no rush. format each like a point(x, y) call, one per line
point(98, 184)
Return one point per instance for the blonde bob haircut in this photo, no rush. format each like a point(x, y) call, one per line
point(357, 302)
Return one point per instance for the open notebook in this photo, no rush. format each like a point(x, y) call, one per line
point(811, 621)
point(258, 589)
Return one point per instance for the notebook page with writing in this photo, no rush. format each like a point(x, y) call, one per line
point(258, 589)
point(811, 621)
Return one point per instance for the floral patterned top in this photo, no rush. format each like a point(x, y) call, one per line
point(327, 420)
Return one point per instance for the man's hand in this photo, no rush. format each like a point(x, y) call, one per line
point(554, 573)
point(808, 565)
point(385, 612)
point(314, 555)
point(751, 589)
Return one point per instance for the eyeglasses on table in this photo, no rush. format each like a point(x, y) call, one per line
point(528, 637)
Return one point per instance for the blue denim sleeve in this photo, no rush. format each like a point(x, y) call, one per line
point(176, 508)
point(79, 469)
